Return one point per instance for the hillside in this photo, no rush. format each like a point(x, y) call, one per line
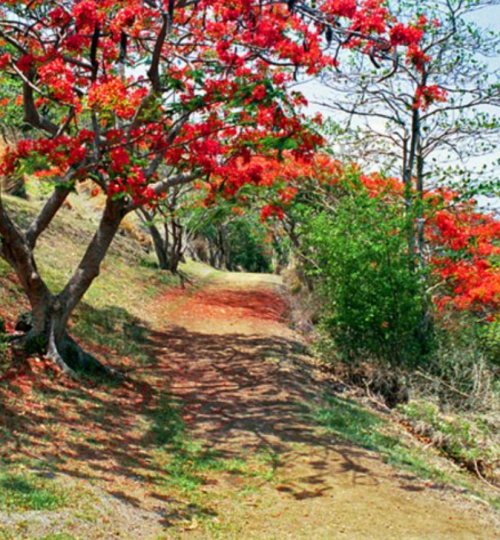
point(225, 426)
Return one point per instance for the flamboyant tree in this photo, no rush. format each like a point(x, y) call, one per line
point(349, 232)
point(139, 96)
point(429, 121)
point(465, 250)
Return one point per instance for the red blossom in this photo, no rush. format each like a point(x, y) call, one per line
point(259, 92)
point(5, 60)
point(427, 95)
point(402, 34)
point(340, 8)
point(416, 57)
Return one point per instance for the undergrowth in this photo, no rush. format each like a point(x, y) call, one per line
point(460, 448)
point(353, 423)
point(469, 441)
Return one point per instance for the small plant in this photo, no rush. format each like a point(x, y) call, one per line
point(464, 440)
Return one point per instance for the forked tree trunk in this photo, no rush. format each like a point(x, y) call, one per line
point(159, 243)
point(50, 313)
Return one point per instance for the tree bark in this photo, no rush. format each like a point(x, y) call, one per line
point(176, 248)
point(50, 313)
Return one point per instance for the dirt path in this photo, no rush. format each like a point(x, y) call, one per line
point(240, 371)
point(260, 469)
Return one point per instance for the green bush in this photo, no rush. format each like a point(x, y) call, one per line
point(489, 339)
point(372, 304)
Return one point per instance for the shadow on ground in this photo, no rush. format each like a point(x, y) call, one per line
point(240, 394)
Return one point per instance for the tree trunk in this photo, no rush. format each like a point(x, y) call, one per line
point(51, 339)
point(160, 244)
point(176, 247)
point(47, 332)
point(160, 247)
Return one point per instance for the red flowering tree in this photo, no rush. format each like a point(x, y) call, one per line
point(465, 255)
point(349, 233)
point(428, 122)
point(139, 96)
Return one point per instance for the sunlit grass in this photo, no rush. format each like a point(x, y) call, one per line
point(353, 423)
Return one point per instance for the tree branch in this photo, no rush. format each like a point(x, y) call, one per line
point(153, 72)
point(45, 217)
point(164, 185)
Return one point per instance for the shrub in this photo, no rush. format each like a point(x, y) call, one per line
point(371, 295)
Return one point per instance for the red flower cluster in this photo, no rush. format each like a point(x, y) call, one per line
point(271, 210)
point(133, 185)
point(340, 8)
point(112, 95)
point(466, 245)
point(371, 18)
point(59, 79)
point(59, 153)
point(427, 95)
point(402, 34)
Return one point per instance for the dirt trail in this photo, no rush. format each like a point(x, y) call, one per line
point(241, 372)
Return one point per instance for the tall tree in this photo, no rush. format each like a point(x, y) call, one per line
point(434, 116)
point(118, 91)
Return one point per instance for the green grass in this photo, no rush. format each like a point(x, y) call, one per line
point(8, 535)
point(61, 536)
point(24, 491)
point(187, 468)
point(351, 422)
point(184, 461)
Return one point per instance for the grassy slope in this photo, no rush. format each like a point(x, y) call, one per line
point(389, 437)
point(86, 454)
